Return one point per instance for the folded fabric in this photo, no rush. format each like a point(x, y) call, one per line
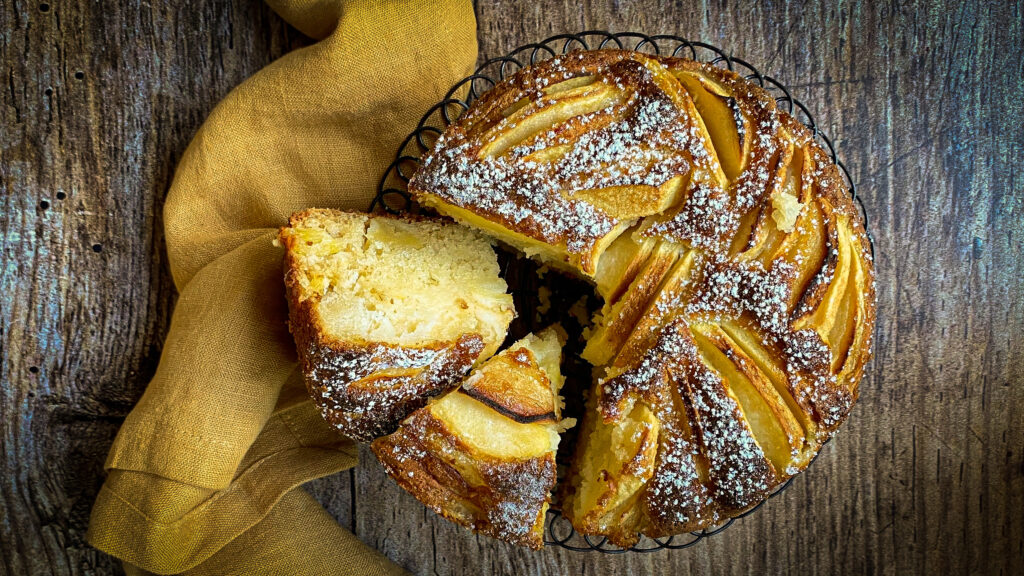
point(204, 475)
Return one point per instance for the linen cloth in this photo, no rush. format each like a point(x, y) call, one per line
point(204, 476)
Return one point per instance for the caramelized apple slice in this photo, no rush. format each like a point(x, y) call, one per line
point(737, 464)
point(554, 254)
point(517, 382)
point(728, 128)
point(677, 498)
point(632, 202)
point(824, 308)
point(562, 86)
point(620, 264)
point(490, 432)
point(767, 360)
point(519, 105)
point(806, 246)
point(666, 304)
point(670, 84)
point(548, 154)
point(546, 112)
point(702, 219)
point(773, 422)
point(552, 145)
point(613, 462)
point(759, 234)
point(863, 291)
point(849, 314)
point(836, 307)
point(569, 84)
point(617, 319)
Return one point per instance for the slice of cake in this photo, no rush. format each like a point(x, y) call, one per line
point(484, 455)
point(387, 312)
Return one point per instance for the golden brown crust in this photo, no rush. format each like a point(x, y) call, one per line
point(740, 351)
point(499, 498)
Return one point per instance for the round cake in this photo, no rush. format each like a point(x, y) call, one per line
point(735, 272)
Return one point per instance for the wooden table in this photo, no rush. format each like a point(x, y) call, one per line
point(925, 101)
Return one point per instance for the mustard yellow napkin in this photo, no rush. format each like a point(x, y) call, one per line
point(204, 476)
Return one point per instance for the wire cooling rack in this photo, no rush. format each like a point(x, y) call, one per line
point(393, 196)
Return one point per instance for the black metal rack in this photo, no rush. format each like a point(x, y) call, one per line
point(393, 197)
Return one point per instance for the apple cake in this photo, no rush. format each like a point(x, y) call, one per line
point(483, 455)
point(735, 272)
point(387, 312)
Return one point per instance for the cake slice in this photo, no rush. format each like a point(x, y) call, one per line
point(484, 455)
point(387, 312)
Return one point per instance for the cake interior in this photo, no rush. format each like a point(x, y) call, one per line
point(400, 282)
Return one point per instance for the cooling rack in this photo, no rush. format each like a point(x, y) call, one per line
point(393, 196)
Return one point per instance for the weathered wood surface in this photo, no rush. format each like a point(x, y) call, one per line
point(925, 100)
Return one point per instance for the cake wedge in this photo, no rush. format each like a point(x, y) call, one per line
point(387, 312)
point(483, 455)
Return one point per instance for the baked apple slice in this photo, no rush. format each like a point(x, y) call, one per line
point(620, 265)
point(484, 455)
point(615, 458)
point(561, 162)
point(729, 129)
point(617, 319)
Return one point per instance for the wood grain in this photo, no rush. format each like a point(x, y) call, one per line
point(924, 99)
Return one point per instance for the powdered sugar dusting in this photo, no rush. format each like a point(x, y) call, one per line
point(709, 464)
point(705, 220)
point(366, 391)
point(648, 142)
point(737, 465)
